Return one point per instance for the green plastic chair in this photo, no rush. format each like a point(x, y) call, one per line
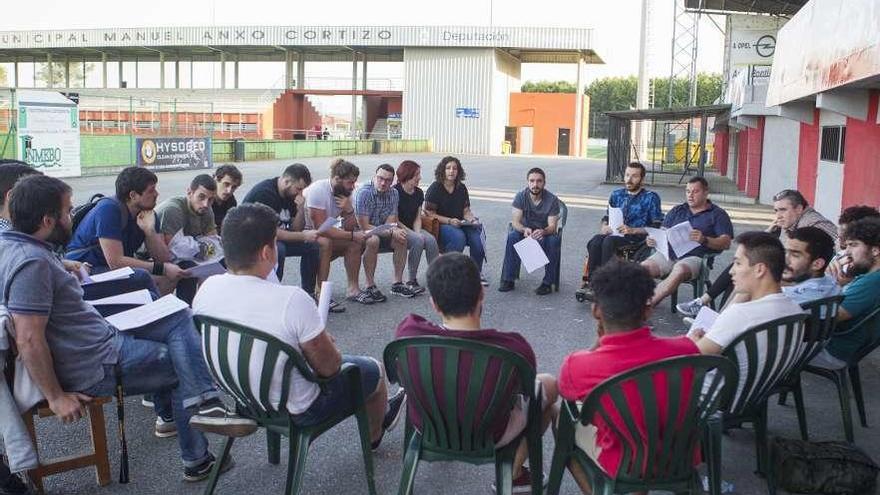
point(660, 455)
point(849, 376)
point(820, 326)
point(218, 338)
point(771, 352)
point(699, 283)
point(557, 270)
point(452, 433)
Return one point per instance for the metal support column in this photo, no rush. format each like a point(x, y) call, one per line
point(703, 155)
point(66, 72)
point(104, 70)
point(222, 70)
point(235, 73)
point(51, 81)
point(354, 84)
point(120, 71)
point(177, 73)
point(136, 72)
point(364, 98)
point(300, 70)
point(288, 69)
point(579, 108)
point(162, 70)
point(15, 73)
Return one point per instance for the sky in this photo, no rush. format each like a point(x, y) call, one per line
point(616, 25)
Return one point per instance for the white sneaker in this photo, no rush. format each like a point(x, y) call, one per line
point(164, 429)
point(690, 308)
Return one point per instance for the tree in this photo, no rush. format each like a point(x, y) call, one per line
point(77, 79)
point(548, 87)
point(4, 80)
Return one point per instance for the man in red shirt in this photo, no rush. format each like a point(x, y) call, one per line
point(457, 296)
point(622, 294)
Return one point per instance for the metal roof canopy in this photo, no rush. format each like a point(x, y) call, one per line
point(785, 8)
point(620, 128)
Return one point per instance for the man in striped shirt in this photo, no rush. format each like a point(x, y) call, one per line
point(376, 205)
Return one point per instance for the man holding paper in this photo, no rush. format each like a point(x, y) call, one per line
point(192, 217)
point(73, 354)
point(290, 315)
point(284, 195)
point(535, 215)
point(692, 230)
point(375, 205)
point(630, 209)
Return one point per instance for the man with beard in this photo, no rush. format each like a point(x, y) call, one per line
point(861, 292)
point(535, 215)
point(808, 250)
point(284, 195)
point(193, 215)
point(113, 231)
point(641, 208)
point(331, 199)
point(72, 354)
point(228, 179)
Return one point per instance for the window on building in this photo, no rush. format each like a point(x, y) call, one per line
point(833, 143)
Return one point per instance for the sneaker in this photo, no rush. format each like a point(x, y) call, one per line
point(15, 485)
point(203, 470)
point(690, 308)
point(336, 306)
point(214, 417)
point(523, 482)
point(402, 290)
point(396, 406)
point(415, 287)
point(506, 286)
point(165, 428)
point(543, 290)
point(363, 297)
point(484, 281)
point(688, 321)
point(147, 401)
point(376, 294)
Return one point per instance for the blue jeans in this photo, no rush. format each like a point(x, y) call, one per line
point(165, 356)
point(552, 246)
point(456, 238)
point(140, 279)
point(309, 257)
point(336, 396)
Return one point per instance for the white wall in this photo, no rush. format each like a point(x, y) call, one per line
point(829, 178)
point(505, 80)
point(779, 161)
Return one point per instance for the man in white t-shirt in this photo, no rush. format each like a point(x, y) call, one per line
point(331, 199)
point(289, 314)
point(757, 271)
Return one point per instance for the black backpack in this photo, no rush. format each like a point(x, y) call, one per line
point(80, 212)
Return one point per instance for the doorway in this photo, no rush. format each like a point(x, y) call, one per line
point(563, 142)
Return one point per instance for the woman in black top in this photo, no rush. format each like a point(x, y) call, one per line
point(448, 201)
point(409, 215)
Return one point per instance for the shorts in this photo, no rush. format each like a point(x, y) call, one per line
point(336, 396)
point(385, 244)
point(693, 263)
point(519, 416)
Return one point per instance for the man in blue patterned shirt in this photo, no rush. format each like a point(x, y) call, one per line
point(641, 208)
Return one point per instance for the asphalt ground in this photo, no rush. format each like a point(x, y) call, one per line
point(555, 325)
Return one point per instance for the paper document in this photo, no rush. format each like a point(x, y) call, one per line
point(206, 269)
point(118, 274)
point(615, 220)
point(138, 297)
point(531, 254)
point(704, 320)
point(659, 236)
point(328, 224)
point(679, 237)
point(148, 313)
point(324, 301)
point(386, 227)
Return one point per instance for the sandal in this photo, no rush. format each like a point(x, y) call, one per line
point(363, 297)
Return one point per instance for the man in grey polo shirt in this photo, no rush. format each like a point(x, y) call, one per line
point(73, 354)
point(376, 204)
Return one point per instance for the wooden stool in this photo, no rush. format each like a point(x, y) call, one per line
point(97, 457)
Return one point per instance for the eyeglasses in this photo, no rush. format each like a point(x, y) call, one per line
point(384, 179)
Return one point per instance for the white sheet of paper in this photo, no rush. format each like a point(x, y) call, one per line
point(206, 269)
point(118, 274)
point(148, 313)
point(659, 236)
point(531, 254)
point(138, 297)
point(679, 237)
point(705, 318)
point(324, 301)
point(615, 220)
point(327, 225)
point(380, 228)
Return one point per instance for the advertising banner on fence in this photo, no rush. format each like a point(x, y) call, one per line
point(174, 153)
point(48, 133)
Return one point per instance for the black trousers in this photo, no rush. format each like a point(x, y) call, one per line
point(721, 284)
point(4, 473)
point(603, 247)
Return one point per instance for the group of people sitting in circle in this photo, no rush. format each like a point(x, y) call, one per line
point(73, 354)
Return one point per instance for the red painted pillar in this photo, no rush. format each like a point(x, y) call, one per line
point(861, 163)
point(719, 153)
point(808, 158)
point(755, 150)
